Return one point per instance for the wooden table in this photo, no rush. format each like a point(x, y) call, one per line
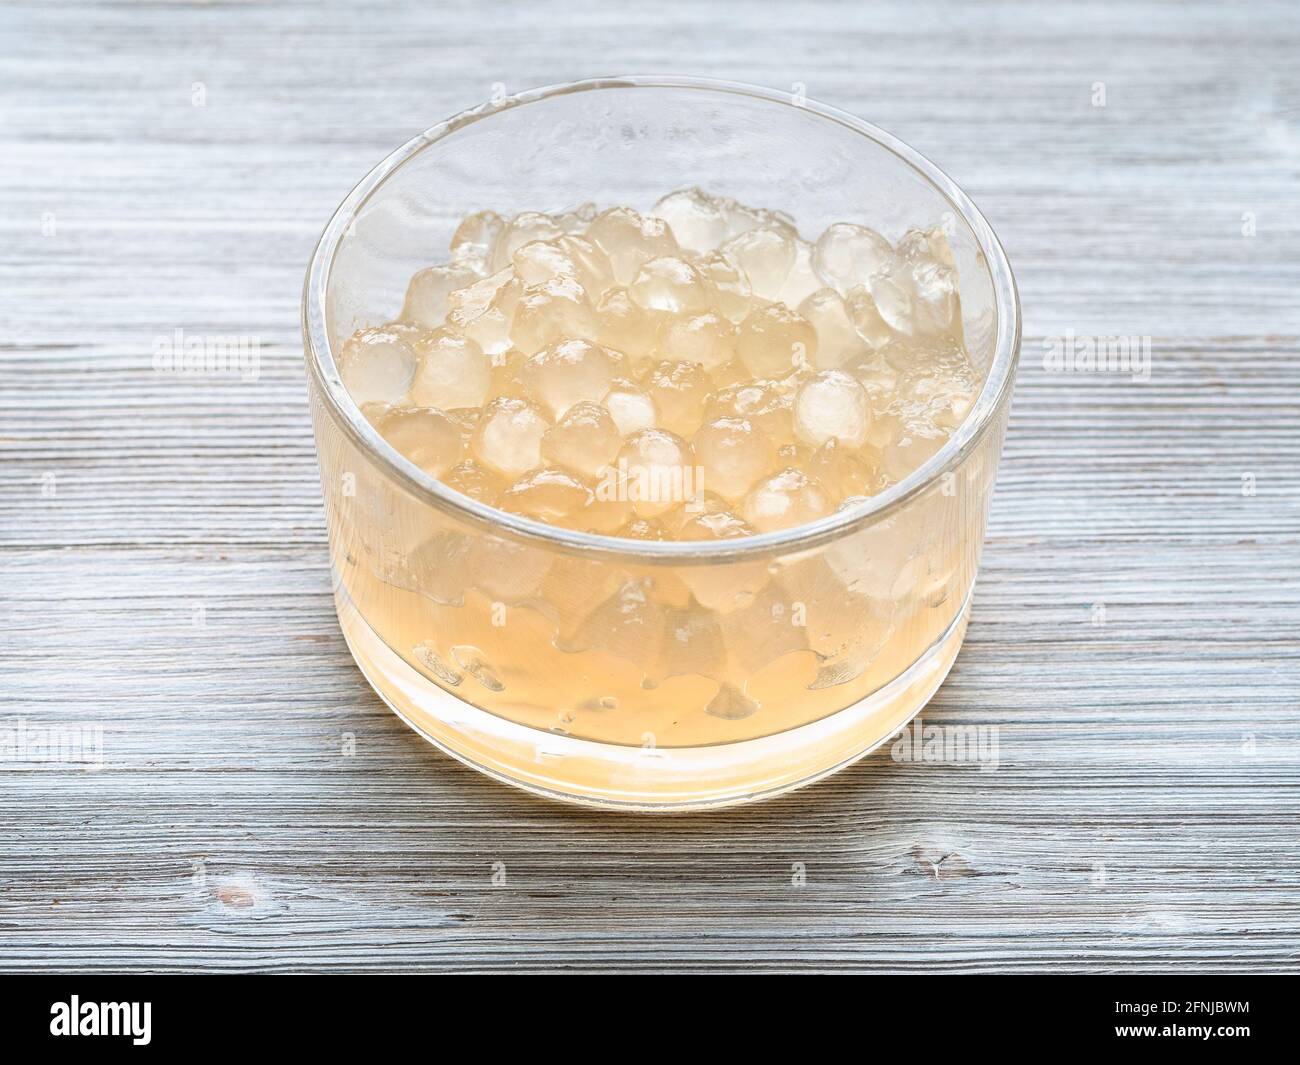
point(168, 166)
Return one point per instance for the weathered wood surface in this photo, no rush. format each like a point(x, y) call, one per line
point(1144, 813)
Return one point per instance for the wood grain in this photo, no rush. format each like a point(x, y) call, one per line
point(1143, 814)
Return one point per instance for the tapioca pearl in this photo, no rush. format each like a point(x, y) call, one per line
point(733, 454)
point(935, 307)
point(508, 439)
point(577, 219)
point(568, 372)
point(761, 402)
point(644, 529)
point(426, 296)
point(838, 340)
point(671, 285)
point(425, 436)
point(507, 570)
point(784, 500)
point(707, 338)
point(594, 271)
point(658, 471)
point(919, 244)
point(802, 280)
point(630, 406)
point(453, 372)
point(626, 326)
point(917, 441)
point(507, 375)
point(765, 256)
point(541, 260)
point(846, 472)
point(501, 289)
point(846, 255)
point(732, 296)
point(377, 366)
point(695, 217)
point(585, 441)
point(605, 515)
point(630, 240)
point(831, 405)
point(893, 288)
point(774, 341)
point(548, 495)
point(555, 310)
point(866, 317)
point(679, 391)
point(472, 243)
point(520, 230)
point(470, 479)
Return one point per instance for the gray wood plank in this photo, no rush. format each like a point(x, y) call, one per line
point(1143, 812)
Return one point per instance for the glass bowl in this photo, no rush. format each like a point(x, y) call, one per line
point(624, 673)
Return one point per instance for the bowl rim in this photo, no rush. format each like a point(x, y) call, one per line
point(983, 414)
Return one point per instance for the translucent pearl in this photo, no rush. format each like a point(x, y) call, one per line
point(377, 366)
point(552, 311)
point(426, 295)
point(679, 391)
point(763, 403)
point(547, 495)
point(708, 339)
point(657, 468)
point(520, 230)
point(695, 218)
point(847, 255)
point(765, 255)
point(471, 479)
point(586, 440)
point(786, 499)
point(733, 454)
point(453, 372)
point(774, 340)
point(625, 325)
point(508, 439)
point(629, 240)
point(568, 372)
point(671, 285)
point(472, 243)
point(831, 405)
point(425, 436)
point(731, 292)
point(630, 406)
point(866, 317)
point(838, 341)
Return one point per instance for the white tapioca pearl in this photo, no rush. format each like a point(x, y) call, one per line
point(426, 295)
point(838, 340)
point(508, 439)
point(547, 495)
point(832, 405)
point(453, 372)
point(629, 240)
point(708, 339)
point(568, 372)
point(679, 391)
point(671, 285)
point(377, 366)
point(765, 255)
point(695, 217)
point(774, 340)
point(586, 440)
point(785, 499)
point(472, 243)
point(630, 406)
point(425, 436)
point(520, 230)
point(733, 454)
point(847, 255)
point(555, 310)
point(659, 468)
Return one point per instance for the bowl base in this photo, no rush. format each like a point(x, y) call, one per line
point(613, 776)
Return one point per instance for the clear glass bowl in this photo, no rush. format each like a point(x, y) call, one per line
point(602, 670)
